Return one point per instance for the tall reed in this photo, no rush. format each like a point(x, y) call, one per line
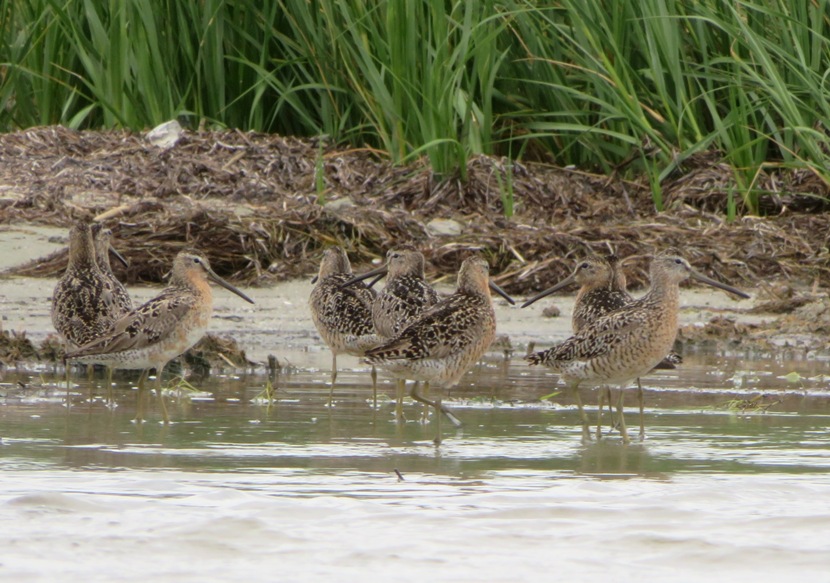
point(594, 84)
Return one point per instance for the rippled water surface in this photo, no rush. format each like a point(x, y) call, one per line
point(732, 482)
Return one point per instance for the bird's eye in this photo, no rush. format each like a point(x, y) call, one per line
point(678, 261)
point(585, 265)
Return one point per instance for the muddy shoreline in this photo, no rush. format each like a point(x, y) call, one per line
point(280, 325)
point(263, 208)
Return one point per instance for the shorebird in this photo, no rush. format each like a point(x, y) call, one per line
point(441, 344)
point(342, 315)
point(82, 306)
point(118, 298)
point(627, 343)
point(602, 290)
point(161, 329)
point(406, 296)
point(102, 237)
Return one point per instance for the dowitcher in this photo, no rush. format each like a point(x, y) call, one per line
point(624, 344)
point(406, 296)
point(441, 344)
point(122, 302)
point(118, 299)
point(602, 290)
point(161, 329)
point(342, 314)
point(82, 303)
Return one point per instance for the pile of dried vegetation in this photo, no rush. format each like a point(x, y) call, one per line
point(211, 352)
point(263, 208)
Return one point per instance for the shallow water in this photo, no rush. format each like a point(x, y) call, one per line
point(240, 489)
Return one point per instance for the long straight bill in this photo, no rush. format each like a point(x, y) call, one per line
point(380, 272)
point(565, 282)
point(502, 293)
point(703, 279)
point(118, 256)
point(213, 277)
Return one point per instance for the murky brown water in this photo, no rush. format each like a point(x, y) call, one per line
point(693, 415)
point(239, 489)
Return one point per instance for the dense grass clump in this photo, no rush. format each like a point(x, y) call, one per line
point(638, 86)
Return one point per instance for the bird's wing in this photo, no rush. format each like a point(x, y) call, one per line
point(599, 336)
point(345, 310)
point(142, 327)
point(438, 332)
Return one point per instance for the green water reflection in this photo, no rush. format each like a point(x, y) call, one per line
point(227, 427)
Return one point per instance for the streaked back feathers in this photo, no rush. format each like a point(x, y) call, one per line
point(83, 306)
point(406, 294)
point(342, 315)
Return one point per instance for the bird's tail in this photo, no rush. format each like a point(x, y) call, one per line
point(535, 358)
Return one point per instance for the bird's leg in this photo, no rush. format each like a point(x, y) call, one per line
point(604, 395)
point(374, 387)
point(586, 431)
point(641, 400)
point(333, 376)
point(66, 377)
point(438, 406)
point(89, 379)
point(438, 418)
point(164, 416)
point(110, 393)
point(401, 387)
point(613, 423)
point(426, 407)
point(66, 366)
point(623, 430)
point(139, 408)
point(90, 368)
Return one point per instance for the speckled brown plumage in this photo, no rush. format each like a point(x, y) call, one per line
point(444, 341)
point(121, 300)
point(83, 307)
point(441, 344)
point(602, 290)
point(162, 328)
point(407, 293)
point(342, 314)
point(629, 342)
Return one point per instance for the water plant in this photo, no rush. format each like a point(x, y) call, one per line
point(756, 404)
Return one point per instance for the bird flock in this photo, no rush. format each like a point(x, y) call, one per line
point(99, 328)
point(407, 329)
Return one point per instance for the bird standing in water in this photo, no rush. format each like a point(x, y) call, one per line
point(102, 237)
point(602, 290)
point(406, 296)
point(441, 344)
point(629, 342)
point(83, 303)
point(161, 329)
point(119, 301)
point(342, 314)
